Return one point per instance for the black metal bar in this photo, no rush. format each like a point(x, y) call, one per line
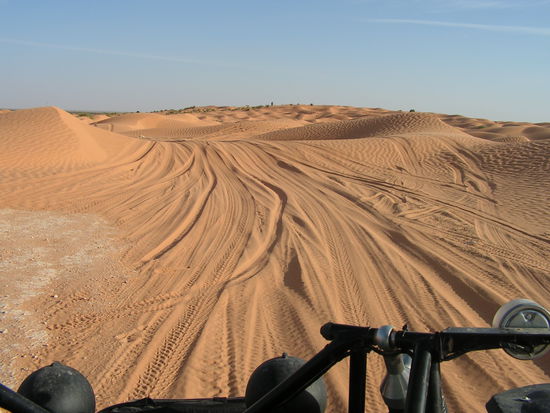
point(357, 380)
point(417, 391)
point(458, 341)
point(332, 331)
point(305, 375)
point(16, 403)
point(436, 402)
point(463, 340)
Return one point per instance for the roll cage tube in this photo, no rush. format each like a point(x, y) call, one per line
point(16, 403)
point(426, 349)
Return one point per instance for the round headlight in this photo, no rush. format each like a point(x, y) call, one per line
point(523, 313)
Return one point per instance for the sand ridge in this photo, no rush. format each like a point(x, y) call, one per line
point(394, 124)
point(138, 121)
point(250, 228)
point(52, 138)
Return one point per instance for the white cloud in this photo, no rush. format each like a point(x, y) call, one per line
point(439, 6)
point(450, 5)
point(114, 52)
point(541, 31)
point(478, 4)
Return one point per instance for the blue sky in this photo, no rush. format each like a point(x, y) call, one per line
point(480, 58)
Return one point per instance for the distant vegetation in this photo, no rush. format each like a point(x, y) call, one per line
point(203, 109)
point(188, 109)
point(92, 114)
point(84, 114)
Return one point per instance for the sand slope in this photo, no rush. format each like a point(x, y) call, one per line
point(49, 138)
point(401, 123)
point(188, 126)
point(248, 233)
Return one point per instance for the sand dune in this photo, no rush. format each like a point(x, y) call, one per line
point(401, 123)
point(487, 129)
point(93, 118)
point(236, 233)
point(139, 121)
point(189, 126)
point(49, 138)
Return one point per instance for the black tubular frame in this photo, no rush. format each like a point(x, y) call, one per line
point(14, 402)
point(428, 350)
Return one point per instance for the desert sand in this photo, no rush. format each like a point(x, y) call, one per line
point(167, 255)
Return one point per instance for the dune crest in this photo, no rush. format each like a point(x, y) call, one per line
point(140, 121)
point(393, 124)
point(189, 126)
point(52, 138)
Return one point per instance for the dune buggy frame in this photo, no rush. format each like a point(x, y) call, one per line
point(424, 393)
point(427, 350)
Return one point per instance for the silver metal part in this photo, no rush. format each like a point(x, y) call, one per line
point(383, 338)
point(395, 384)
point(523, 313)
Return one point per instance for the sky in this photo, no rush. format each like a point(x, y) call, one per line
point(477, 58)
